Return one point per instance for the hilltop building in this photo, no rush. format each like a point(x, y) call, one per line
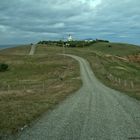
point(88, 40)
point(70, 38)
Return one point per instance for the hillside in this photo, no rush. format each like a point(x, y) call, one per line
point(37, 83)
point(33, 85)
point(117, 66)
point(119, 49)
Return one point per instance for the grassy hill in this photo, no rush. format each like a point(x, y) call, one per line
point(33, 85)
point(117, 66)
point(37, 83)
point(119, 49)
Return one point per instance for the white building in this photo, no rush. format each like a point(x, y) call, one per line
point(70, 38)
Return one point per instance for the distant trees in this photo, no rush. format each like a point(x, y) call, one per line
point(42, 42)
point(3, 67)
point(100, 40)
point(57, 43)
point(75, 43)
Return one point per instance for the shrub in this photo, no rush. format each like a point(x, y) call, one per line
point(100, 40)
point(3, 67)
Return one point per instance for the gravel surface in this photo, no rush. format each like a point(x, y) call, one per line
point(32, 50)
point(95, 112)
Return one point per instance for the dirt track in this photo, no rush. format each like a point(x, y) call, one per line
point(95, 112)
point(32, 50)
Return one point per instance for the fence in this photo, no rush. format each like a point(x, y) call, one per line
point(122, 82)
point(25, 86)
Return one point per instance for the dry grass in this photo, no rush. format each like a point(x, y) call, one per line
point(33, 85)
point(19, 50)
point(104, 61)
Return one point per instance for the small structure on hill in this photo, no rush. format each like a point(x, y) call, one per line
point(70, 38)
point(88, 40)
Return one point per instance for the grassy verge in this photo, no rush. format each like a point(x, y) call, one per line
point(19, 50)
point(119, 75)
point(33, 85)
point(112, 65)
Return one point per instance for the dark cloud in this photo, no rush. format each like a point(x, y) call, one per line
point(24, 21)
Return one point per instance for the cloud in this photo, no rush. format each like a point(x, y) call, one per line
point(26, 21)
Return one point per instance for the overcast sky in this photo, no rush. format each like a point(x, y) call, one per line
point(26, 21)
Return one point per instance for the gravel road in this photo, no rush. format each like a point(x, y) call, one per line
point(95, 112)
point(32, 50)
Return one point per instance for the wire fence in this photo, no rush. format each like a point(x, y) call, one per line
point(25, 86)
point(119, 81)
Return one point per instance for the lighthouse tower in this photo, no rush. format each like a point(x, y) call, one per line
point(70, 38)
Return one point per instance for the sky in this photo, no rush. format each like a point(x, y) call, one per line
point(27, 21)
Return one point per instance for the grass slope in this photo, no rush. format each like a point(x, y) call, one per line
point(117, 66)
point(119, 49)
point(113, 66)
point(33, 85)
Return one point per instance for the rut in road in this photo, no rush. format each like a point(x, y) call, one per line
point(95, 112)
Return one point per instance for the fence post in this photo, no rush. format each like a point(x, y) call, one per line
point(8, 88)
point(24, 88)
point(43, 86)
point(132, 84)
point(119, 80)
point(110, 75)
point(125, 83)
point(116, 80)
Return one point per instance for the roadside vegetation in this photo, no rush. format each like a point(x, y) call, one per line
point(19, 50)
point(117, 65)
point(33, 85)
point(114, 64)
point(3, 67)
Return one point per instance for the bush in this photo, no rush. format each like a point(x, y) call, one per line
point(3, 67)
point(100, 40)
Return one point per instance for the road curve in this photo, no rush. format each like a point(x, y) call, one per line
point(95, 112)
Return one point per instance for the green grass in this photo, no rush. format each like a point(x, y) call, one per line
point(104, 62)
point(19, 50)
point(115, 49)
point(33, 85)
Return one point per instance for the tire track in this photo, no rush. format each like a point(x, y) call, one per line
point(95, 112)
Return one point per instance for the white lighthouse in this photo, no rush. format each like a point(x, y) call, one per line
point(70, 38)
